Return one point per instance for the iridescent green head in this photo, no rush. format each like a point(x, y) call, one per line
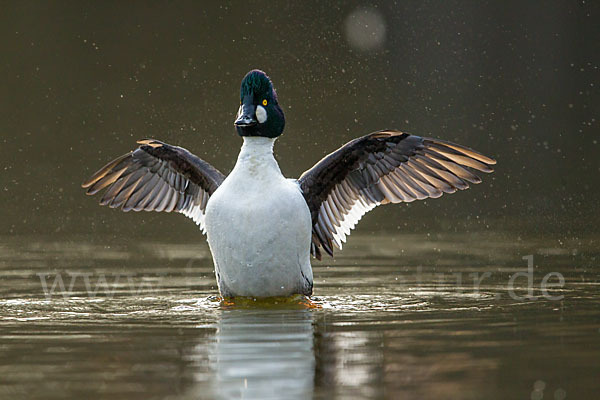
point(259, 113)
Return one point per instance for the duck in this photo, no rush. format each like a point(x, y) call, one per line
point(262, 228)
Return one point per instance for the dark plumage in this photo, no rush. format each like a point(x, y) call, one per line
point(257, 92)
point(157, 177)
point(379, 168)
point(257, 85)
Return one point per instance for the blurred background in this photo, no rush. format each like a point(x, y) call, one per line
point(518, 81)
point(417, 305)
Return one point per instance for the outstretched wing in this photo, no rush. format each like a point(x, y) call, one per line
point(157, 177)
point(379, 168)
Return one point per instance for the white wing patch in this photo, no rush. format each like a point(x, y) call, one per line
point(338, 217)
point(196, 210)
point(340, 213)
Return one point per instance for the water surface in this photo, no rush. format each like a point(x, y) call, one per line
point(396, 316)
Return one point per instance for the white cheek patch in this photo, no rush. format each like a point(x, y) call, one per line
point(239, 113)
point(261, 114)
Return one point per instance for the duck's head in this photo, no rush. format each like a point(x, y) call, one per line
point(259, 113)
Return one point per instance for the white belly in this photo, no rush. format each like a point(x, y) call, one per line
point(259, 231)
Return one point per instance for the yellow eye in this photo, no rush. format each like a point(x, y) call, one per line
point(264, 102)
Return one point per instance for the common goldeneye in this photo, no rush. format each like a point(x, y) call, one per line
point(262, 227)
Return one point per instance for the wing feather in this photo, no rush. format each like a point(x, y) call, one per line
point(380, 168)
point(157, 177)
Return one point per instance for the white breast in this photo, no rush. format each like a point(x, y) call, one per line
point(258, 227)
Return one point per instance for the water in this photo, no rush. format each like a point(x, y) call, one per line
point(411, 316)
point(395, 316)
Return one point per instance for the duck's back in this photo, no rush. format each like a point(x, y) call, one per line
point(259, 229)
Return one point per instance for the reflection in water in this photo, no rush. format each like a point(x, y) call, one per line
point(263, 354)
point(397, 317)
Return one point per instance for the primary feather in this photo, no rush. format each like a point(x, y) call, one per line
point(379, 168)
point(157, 177)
